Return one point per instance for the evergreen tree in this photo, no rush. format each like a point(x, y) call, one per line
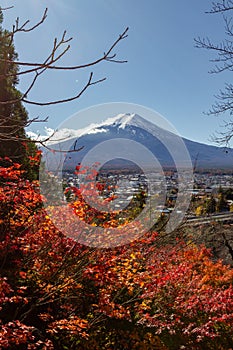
point(13, 115)
point(210, 205)
point(221, 203)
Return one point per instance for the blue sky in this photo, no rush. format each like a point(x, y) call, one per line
point(165, 72)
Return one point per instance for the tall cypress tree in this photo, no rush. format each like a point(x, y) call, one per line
point(13, 115)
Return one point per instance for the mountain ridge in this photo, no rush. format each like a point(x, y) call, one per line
point(164, 144)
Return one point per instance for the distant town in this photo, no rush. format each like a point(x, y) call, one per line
point(211, 192)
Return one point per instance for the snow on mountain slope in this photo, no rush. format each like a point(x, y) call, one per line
point(168, 147)
point(120, 121)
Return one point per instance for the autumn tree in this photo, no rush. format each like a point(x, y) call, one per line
point(223, 62)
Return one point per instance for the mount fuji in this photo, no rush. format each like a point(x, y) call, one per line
point(168, 148)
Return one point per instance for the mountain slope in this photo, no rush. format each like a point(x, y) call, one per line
point(166, 146)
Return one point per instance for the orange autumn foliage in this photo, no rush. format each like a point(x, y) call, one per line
point(56, 293)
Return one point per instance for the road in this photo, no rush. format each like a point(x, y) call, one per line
point(226, 216)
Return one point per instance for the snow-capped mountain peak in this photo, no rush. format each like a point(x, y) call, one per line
point(120, 121)
point(164, 144)
point(134, 120)
point(129, 119)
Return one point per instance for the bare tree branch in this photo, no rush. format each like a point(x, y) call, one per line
point(224, 137)
point(106, 57)
point(21, 28)
point(39, 68)
point(88, 84)
point(223, 62)
point(220, 7)
point(7, 8)
point(10, 130)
